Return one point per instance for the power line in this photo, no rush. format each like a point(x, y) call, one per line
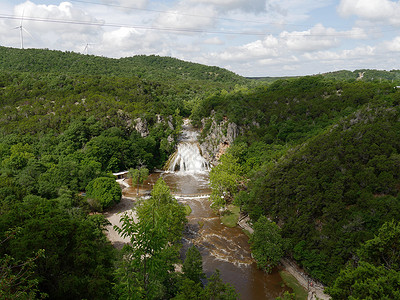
point(103, 24)
point(176, 29)
point(185, 14)
point(200, 16)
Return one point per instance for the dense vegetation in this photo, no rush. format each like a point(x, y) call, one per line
point(66, 122)
point(320, 158)
point(317, 170)
point(142, 66)
point(364, 75)
point(148, 265)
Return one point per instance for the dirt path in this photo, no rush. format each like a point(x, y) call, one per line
point(314, 288)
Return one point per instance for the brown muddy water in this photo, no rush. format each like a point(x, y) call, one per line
point(221, 247)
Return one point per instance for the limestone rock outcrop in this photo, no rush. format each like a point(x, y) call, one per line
point(218, 138)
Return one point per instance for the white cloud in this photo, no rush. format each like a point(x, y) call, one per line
point(195, 17)
point(243, 5)
point(356, 53)
point(318, 38)
point(213, 41)
point(129, 41)
point(393, 45)
point(128, 3)
point(372, 10)
point(65, 11)
point(258, 49)
point(55, 35)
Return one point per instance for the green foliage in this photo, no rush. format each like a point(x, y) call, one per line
point(153, 248)
point(149, 67)
point(105, 190)
point(16, 280)
point(384, 248)
point(287, 296)
point(367, 75)
point(376, 275)
point(68, 120)
point(78, 259)
point(216, 289)
point(366, 281)
point(267, 244)
point(138, 176)
point(192, 266)
point(224, 180)
point(319, 156)
point(188, 289)
point(335, 190)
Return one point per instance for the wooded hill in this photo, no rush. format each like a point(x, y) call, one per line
point(364, 75)
point(66, 122)
point(321, 158)
point(148, 67)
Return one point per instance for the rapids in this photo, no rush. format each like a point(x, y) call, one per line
point(221, 247)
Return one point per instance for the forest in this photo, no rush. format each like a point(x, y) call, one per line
point(320, 159)
point(317, 166)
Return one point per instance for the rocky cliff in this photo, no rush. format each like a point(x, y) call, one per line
point(216, 137)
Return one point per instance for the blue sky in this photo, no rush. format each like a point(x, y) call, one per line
point(248, 37)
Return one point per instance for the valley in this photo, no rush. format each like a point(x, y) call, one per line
point(313, 162)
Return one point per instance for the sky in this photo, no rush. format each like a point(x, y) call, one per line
point(249, 37)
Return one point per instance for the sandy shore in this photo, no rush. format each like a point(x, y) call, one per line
point(114, 214)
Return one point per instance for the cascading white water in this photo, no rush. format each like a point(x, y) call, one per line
point(187, 157)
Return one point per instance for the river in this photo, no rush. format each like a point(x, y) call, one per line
point(221, 247)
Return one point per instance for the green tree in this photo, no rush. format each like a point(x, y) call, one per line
point(138, 176)
point(384, 248)
point(217, 289)
point(104, 190)
point(267, 244)
point(376, 275)
point(224, 180)
point(16, 277)
point(78, 260)
point(153, 250)
point(189, 290)
point(193, 265)
point(20, 155)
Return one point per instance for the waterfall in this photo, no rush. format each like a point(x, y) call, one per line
point(187, 157)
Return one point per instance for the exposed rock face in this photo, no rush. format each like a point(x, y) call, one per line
point(219, 137)
point(170, 139)
point(170, 121)
point(141, 127)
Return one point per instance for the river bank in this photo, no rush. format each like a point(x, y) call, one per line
point(314, 289)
